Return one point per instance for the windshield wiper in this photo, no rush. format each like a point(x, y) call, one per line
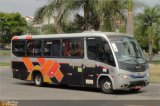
point(131, 60)
point(141, 58)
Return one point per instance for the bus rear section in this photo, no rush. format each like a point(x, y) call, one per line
point(85, 59)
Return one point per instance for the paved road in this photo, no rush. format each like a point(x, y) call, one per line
point(14, 89)
point(5, 58)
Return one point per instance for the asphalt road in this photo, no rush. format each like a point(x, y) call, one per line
point(14, 89)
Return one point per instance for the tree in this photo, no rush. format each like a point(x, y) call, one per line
point(129, 28)
point(11, 24)
point(56, 9)
point(110, 13)
point(31, 30)
point(96, 14)
point(148, 27)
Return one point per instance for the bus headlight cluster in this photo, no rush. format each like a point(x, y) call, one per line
point(123, 76)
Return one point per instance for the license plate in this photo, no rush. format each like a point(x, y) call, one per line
point(137, 87)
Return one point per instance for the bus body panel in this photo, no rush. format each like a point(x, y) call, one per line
point(77, 72)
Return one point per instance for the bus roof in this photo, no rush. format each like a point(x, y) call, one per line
point(70, 35)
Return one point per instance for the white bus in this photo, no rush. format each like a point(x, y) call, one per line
point(104, 60)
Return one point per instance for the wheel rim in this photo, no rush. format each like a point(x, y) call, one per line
point(38, 80)
point(107, 86)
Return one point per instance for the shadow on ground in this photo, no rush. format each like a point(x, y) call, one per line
point(85, 89)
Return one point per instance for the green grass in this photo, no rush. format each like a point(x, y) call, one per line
point(4, 64)
point(156, 62)
point(4, 52)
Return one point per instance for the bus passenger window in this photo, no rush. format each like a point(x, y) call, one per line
point(66, 48)
point(18, 48)
point(56, 48)
point(30, 46)
point(37, 48)
point(47, 48)
point(91, 49)
point(72, 47)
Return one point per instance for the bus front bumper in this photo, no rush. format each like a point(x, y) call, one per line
point(135, 84)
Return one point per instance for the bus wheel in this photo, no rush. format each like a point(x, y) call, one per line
point(38, 80)
point(106, 86)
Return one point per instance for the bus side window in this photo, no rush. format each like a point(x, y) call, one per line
point(47, 48)
point(95, 50)
point(76, 48)
point(91, 49)
point(56, 48)
point(72, 47)
point(99, 50)
point(37, 48)
point(66, 43)
point(108, 53)
point(18, 48)
point(30, 48)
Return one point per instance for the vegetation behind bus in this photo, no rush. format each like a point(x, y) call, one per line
point(11, 24)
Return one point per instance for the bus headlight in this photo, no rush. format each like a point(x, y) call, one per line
point(147, 74)
point(123, 76)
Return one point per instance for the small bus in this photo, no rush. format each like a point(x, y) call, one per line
point(105, 60)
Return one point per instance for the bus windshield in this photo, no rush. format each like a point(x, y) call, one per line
point(126, 49)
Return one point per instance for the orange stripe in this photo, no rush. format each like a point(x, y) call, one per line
point(59, 75)
point(46, 66)
point(28, 63)
point(41, 61)
point(52, 71)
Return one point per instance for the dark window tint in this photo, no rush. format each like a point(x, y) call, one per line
point(56, 48)
point(99, 49)
point(18, 48)
point(72, 47)
point(52, 48)
point(34, 48)
point(91, 48)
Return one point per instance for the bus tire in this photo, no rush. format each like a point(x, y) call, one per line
point(106, 86)
point(38, 80)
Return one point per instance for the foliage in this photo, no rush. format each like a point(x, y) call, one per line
point(56, 9)
point(147, 28)
point(109, 13)
point(32, 30)
point(48, 29)
point(98, 14)
point(11, 24)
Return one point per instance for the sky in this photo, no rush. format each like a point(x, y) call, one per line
point(28, 7)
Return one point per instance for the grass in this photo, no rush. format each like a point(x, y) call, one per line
point(156, 62)
point(155, 73)
point(4, 52)
point(4, 64)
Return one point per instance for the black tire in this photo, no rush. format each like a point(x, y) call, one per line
point(135, 90)
point(38, 80)
point(106, 86)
